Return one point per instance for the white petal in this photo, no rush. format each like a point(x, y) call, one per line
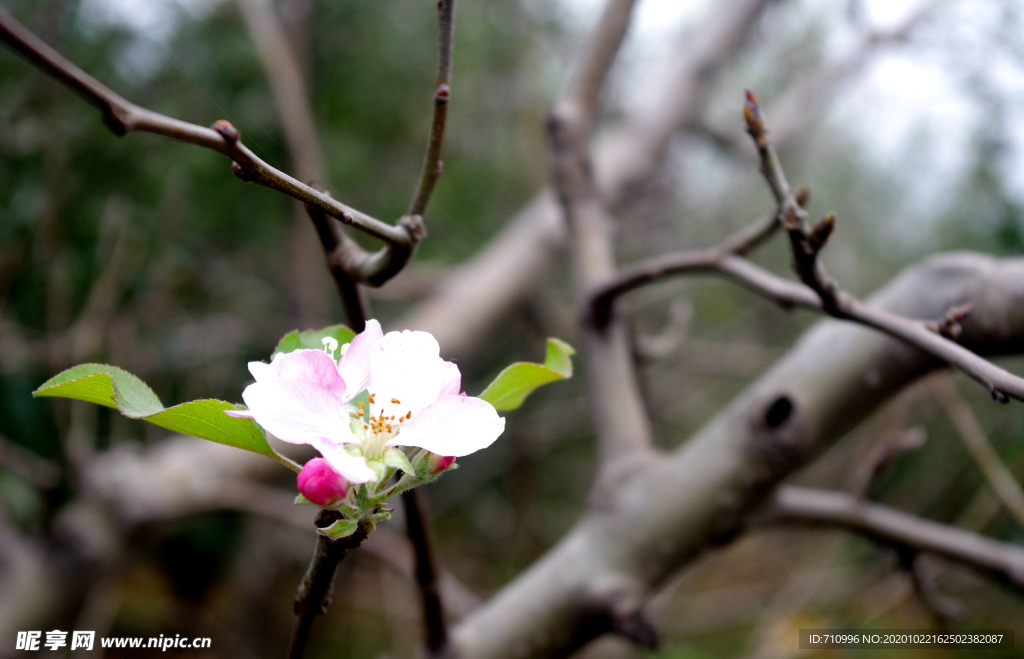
point(454, 425)
point(355, 363)
point(451, 385)
point(298, 412)
point(352, 467)
point(407, 367)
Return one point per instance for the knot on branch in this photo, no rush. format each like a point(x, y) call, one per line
point(413, 224)
point(442, 93)
point(619, 609)
point(114, 119)
point(776, 438)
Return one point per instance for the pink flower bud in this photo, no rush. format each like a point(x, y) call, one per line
point(438, 463)
point(320, 484)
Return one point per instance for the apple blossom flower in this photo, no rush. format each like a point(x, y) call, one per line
point(321, 484)
point(306, 397)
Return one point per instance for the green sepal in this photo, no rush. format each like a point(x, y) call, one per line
point(340, 529)
point(395, 457)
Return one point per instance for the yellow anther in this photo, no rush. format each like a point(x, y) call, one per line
point(396, 401)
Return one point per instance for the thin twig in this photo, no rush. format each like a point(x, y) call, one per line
point(432, 165)
point(417, 527)
point(314, 594)
point(818, 291)
point(804, 505)
point(123, 117)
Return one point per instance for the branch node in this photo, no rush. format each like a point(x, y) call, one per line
point(414, 225)
point(113, 119)
point(442, 93)
point(999, 396)
point(241, 172)
point(637, 629)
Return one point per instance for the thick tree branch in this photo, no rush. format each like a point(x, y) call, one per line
point(123, 117)
point(643, 527)
point(903, 531)
point(619, 414)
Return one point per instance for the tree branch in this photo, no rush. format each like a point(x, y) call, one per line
point(903, 531)
point(314, 594)
point(428, 578)
point(806, 242)
point(619, 414)
point(123, 117)
point(483, 289)
point(642, 527)
point(432, 165)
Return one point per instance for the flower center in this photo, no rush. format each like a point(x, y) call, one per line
point(379, 424)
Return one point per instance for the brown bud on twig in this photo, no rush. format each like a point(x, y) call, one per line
point(226, 130)
point(821, 231)
point(949, 325)
point(1000, 397)
point(802, 194)
point(242, 172)
point(755, 120)
point(414, 225)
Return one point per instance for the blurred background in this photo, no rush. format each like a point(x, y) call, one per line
point(906, 118)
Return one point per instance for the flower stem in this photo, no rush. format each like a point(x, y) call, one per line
point(314, 594)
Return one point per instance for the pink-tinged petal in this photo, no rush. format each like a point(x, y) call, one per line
point(298, 412)
point(355, 363)
point(451, 384)
point(240, 414)
point(453, 426)
point(321, 484)
point(407, 367)
point(350, 466)
point(313, 366)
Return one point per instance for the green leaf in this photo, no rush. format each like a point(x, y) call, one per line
point(313, 339)
point(113, 387)
point(299, 499)
point(394, 457)
point(340, 529)
point(516, 382)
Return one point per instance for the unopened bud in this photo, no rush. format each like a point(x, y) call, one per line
point(802, 194)
point(752, 115)
point(320, 484)
point(821, 231)
point(439, 463)
point(241, 172)
point(442, 93)
point(226, 130)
